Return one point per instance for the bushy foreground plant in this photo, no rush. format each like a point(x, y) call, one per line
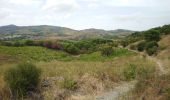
point(69, 84)
point(137, 72)
point(23, 78)
point(130, 72)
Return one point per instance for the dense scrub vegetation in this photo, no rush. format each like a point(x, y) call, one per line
point(72, 47)
point(23, 79)
point(145, 39)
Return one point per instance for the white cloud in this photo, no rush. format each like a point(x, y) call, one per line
point(25, 2)
point(78, 14)
point(60, 5)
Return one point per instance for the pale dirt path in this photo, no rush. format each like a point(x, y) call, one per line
point(160, 65)
point(113, 94)
point(117, 91)
point(125, 87)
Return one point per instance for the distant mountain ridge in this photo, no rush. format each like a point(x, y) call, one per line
point(47, 31)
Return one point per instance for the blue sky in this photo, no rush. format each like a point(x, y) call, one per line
point(83, 14)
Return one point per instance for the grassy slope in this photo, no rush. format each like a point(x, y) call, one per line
point(155, 87)
point(32, 53)
point(89, 71)
point(42, 54)
point(164, 54)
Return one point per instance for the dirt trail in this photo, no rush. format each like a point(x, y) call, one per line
point(125, 87)
point(160, 66)
point(117, 91)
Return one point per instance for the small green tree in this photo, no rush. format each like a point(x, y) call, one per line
point(17, 44)
point(141, 46)
point(23, 78)
point(151, 47)
point(152, 35)
point(107, 50)
point(151, 51)
point(124, 43)
point(29, 42)
point(72, 49)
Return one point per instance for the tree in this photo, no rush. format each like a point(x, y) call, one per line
point(124, 43)
point(151, 47)
point(72, 49)
point(17, 44)
point(141, 46)
point(152, 35)
point(29, 42)
point(107, 50)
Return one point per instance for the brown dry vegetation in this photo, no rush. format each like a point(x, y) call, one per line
point(155, 87)
point(164, 54)
point(63, 79)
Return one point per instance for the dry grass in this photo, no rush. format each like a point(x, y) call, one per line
point(89, 77)
point(4, 90)
point(153, 88)
point(165, 41)
point(164, 54)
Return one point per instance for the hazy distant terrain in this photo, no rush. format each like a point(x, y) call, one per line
point(55, 32)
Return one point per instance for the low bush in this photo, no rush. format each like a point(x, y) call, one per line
point(107, 50)
point(72, 49)
point(152, 50)
point(18, 44)
point(141, 46)
point(151, 47)
point(69, 84)
point(130, 72)
point(23, 78)
point(6, 43)
point(29, 43)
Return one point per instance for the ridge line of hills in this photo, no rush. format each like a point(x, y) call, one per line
point(48, 31)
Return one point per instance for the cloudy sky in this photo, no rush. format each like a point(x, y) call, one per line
point(82, 14)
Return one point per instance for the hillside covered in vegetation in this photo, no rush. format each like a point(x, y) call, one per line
point(62, 69)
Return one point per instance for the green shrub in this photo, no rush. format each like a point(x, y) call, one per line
point(18, 44)
point(151, 47)
point(29, 42)
point(141, 46)
point(23, 78)
point(69, 84)
point(6, 43)
point(151, 44)
point(152, 35)
point(152, 50)
point(130, 72)
point(124, 43)
point(72, 49)
point(107, 51)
